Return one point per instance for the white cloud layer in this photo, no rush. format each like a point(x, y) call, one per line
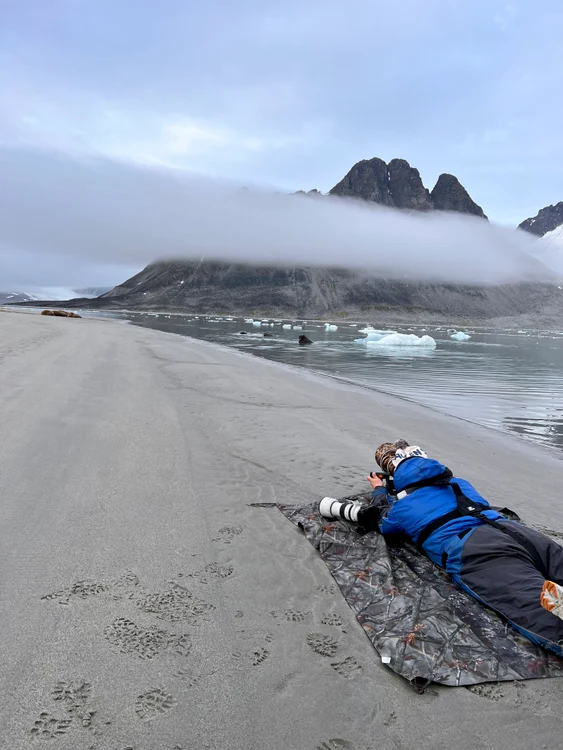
point(98, 211)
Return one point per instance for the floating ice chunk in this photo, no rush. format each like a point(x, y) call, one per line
point(330, 327)
point(249, 320)
point(257, 323)
point(297, 328)
point(287, 326)
point(399, 339)
point(371, 329)
point(460, 336)
point(374, 335)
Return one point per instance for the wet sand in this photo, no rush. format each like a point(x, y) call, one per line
point(146, 605)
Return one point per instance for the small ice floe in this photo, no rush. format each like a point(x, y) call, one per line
point(460, 336)
point(257, 323)
point(287, 326)
point(370, 329)
point(330, 327)
point(392, 340)
point(249, 320)
point(297, 328)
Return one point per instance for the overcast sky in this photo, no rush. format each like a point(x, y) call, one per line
point(291, 93)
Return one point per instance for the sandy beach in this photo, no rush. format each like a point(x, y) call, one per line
point(146, 605)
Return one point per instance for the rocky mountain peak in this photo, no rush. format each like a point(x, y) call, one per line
point(399, 185)
point(406, 188)
point(450, 195)
point(368, 180)
point(546, 220)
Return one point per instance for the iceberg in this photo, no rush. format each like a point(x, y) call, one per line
point(460, 336)
point(249, 320)
point(330, 327)
point(257, 323)
point(297, 328)
point(287, 326)
point(393, 340)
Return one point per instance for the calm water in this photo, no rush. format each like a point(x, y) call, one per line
point(503, 379)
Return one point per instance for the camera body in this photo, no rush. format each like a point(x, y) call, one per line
point(387, 480)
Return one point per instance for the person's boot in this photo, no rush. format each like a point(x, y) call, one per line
point(551, 598)
point(329, 507)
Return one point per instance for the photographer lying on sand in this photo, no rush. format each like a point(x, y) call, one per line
point(505, 565)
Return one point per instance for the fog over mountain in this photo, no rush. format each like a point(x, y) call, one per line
point(103, 212)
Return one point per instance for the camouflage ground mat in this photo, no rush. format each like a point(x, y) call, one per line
point(422, 626)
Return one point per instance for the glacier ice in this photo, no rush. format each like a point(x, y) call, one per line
point(376, 341)
point(460, 336)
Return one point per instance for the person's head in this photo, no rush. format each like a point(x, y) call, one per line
point(389, 455)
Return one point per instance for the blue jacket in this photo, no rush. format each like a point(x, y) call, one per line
point(411, 514)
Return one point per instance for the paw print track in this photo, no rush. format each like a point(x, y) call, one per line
point(73, 695)
point(146, 643)
point(331, 619)
point(227, 534)
point(348, 668)
point(80, 590)
point(48, 726)
point(327, 588)
point(491, 691)
point(292, 615)
point(154, 703)
point(212, 572)
point(259, 656)
point(175, 604)
point(322, 644)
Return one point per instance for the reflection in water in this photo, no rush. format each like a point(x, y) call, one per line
point(502, 379)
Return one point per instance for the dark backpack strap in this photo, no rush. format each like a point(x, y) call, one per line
point(435, 524)
point(476, 510)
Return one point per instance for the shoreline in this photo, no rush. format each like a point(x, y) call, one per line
point(512, 323)
point(340, 379)
point(304, 371)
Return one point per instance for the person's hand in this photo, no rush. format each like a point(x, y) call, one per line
point(375, 481)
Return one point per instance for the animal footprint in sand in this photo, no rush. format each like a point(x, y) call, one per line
point(331, 619)
point(212, 572)
point(322, 644)
point(48, 726)
point(152, 703)
point(348, 668)
point(80, 589)
point(327, 589)
point(259, 656)
point(291, 615)
point(175, 604)
point(336, 744)
point(227, 534)
point(75, 696)
point(491, 691)
point(146, 643)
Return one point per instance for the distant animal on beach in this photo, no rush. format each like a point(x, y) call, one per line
point(60, 313)
point(303, 340)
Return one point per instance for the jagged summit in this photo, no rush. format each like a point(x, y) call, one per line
point(546, 220)
point(449, 194)
point(399, 185)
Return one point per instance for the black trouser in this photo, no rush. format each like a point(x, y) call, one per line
point(502, 573)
